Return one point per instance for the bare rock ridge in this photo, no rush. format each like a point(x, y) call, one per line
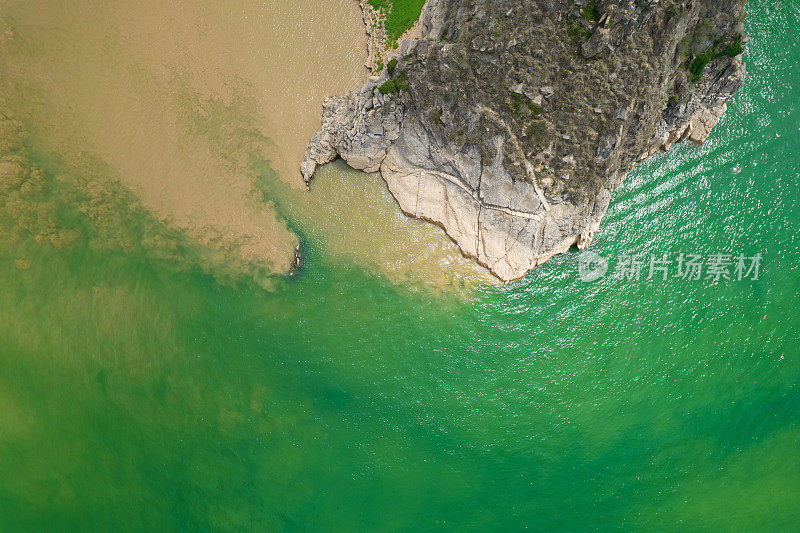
point(510, 122)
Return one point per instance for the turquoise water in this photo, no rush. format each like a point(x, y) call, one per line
point(138, 392)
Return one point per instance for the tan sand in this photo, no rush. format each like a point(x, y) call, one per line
point(129, 82)
point(358, 220)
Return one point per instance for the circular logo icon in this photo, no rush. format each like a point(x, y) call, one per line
point(591, 266)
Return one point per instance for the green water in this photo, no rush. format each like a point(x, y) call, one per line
point(138, 392)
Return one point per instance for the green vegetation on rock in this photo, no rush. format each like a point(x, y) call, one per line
point(393, 86)
point(391, 66)
point(590, 12)
point(388, 87)
point(400, 16)
point(699, 63)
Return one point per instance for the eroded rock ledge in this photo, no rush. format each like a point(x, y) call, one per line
point(517, 118)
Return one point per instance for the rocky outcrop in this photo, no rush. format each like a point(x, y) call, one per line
point(510, 122)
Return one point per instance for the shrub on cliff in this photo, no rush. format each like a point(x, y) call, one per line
point(393, 86)
point(388, 87)
point(699, 63)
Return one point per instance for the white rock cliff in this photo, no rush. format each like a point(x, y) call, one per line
point(500, 137)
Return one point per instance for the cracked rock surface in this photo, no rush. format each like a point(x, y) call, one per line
point(521, 117)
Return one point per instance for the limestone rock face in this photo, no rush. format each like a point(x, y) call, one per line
point(519, 118)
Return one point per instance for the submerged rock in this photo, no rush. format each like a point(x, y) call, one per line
point(515, 174)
